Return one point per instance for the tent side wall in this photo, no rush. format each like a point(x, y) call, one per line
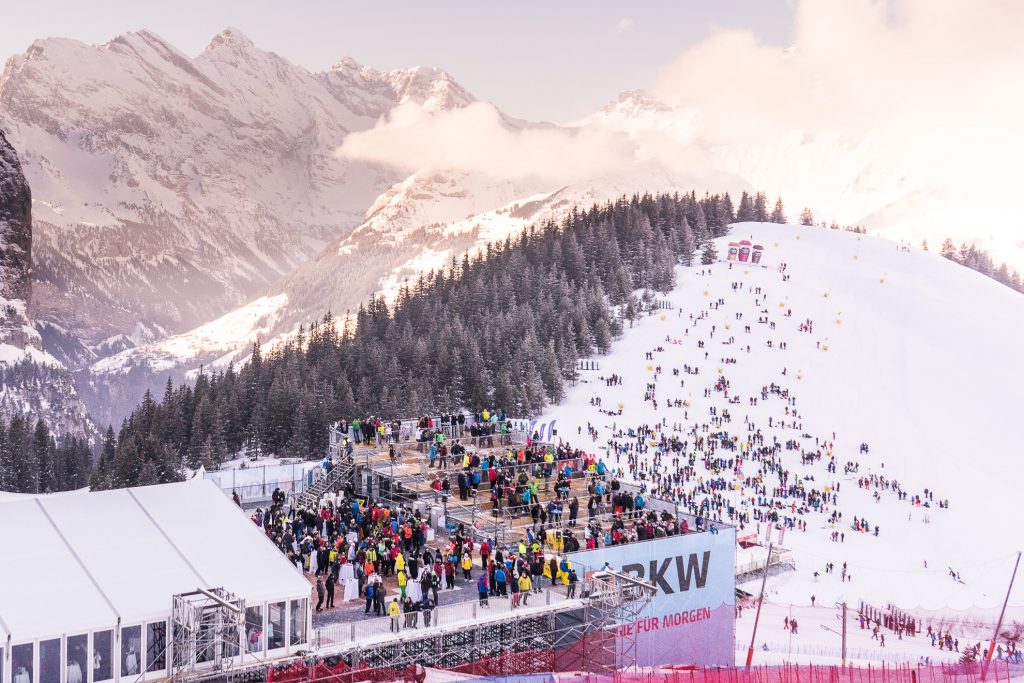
point(72, 610)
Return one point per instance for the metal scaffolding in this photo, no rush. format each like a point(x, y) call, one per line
point(584, 634)
point(618, 601)
point(206, 633)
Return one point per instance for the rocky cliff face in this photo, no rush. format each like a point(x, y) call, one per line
point(15, 248)
point(32, 382)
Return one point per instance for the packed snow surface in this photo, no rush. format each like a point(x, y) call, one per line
point(907, 352)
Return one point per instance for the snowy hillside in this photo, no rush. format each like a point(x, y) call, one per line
point(188, 184)
point(889, 346)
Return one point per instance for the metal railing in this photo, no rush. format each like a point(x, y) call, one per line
point(444, 616)
point(854, 653)
point(335, 478)
point(409, 432)
point(259, 482)
point(495, 440)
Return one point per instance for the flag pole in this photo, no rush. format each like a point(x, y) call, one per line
point(760, 600)
point(999, 624)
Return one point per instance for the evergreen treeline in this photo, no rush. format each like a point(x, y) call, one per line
point(981, 261)
point(31, 460)
point(502, 329)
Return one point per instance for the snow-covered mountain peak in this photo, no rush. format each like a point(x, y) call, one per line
point(140, 41)
point(638, 113)
point(189, 184)
point(635, 103)
point(349, 65)
point(433, 88)
point(232, 38)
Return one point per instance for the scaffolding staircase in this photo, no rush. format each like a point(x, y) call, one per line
point(342, 474)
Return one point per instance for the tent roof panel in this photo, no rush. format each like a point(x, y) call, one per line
point(132, 562)
point(43, 589)
point(75, 563)
point(235, 554)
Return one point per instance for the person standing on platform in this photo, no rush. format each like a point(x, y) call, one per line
point(394, 611)
point(331, 580)
point(573, 580)
point(481, 588)
point(319, 593)
point(525, 586)
point(402, 581)
point(427, 607)
point(499, 581)
point(370, 586)
point(514, 587)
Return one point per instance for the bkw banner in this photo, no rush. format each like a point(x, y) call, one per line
point(692, 618)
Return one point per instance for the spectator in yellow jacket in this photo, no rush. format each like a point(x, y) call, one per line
point(394, 611)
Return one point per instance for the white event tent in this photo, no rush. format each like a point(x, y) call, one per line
point(87, 581)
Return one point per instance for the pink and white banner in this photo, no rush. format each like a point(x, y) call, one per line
point(692, 619)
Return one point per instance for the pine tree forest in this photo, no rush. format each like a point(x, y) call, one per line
point(501, 329)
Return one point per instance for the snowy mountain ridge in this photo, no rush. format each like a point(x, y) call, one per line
point(188, 184)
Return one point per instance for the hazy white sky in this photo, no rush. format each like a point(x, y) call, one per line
point(898, 114)
point(535, 59)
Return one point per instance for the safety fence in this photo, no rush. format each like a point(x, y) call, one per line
point(495, 440)
point(551, 666)
point(780, 557)
point(408, 432)
point(807, 673)
point(256, 483)
point(444, 616)
point(852, 653)
point(813, 673)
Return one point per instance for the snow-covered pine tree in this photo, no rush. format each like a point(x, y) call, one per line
point(778, 214)
point(708, 254)
point(745, 212)
point(761, 208)
point(631, 311)
point(948, 249)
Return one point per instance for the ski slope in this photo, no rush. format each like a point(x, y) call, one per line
point(910, 353)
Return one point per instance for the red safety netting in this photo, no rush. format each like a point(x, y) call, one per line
point(813, 673)
point(497, 668)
